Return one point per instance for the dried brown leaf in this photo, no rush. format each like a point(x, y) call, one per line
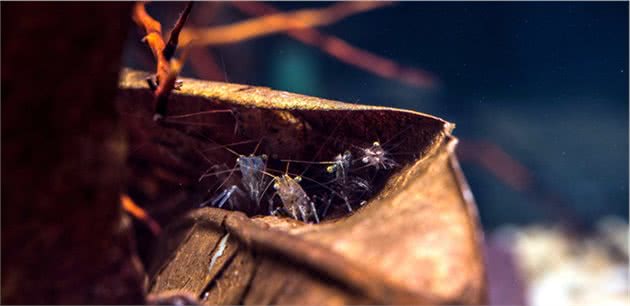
point(416, 241)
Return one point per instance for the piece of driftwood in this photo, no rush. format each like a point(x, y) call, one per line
point(65, 239)
point(416, 240)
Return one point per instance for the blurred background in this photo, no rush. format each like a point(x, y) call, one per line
point(539, 94)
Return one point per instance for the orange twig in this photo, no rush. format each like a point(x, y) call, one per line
point(137, 212)
point(171, 45)
point(166, 72)
point(277, 22)
point(345, 52)
point(153, 38)
point(163, 91)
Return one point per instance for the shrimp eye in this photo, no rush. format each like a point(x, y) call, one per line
point(376, 144)
point(298, 179)
point(331, 169)
point(264, 156)
point(276, 186)
point(365, 160)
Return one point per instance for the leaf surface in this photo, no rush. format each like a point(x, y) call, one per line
point(416, 240)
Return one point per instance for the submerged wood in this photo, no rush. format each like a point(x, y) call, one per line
point(416, 241)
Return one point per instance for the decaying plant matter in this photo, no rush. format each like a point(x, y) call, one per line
point(416, 239)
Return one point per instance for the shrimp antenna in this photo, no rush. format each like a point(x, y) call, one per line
point(218, 172)
point(287, 168)
point(229, 145)
point(396, 135)
point(319, 151)
point(265, 172)
point(308, 162)
point(258, 145)
point(214, 111)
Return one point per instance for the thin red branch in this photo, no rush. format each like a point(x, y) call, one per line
point(171, 45)
point(278, 22)
point(165, 73)
point(345, 52)
point(139, 213)
point(153, 38)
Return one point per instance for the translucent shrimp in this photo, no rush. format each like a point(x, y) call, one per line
point(253, 178)
point(341, 166)
point(224, 196)
point(375, 156)
point(378, 157)
point(294, 198)
point(343, 185)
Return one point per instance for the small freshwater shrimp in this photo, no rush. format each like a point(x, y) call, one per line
point(341, 166)
point(343, 185)
point(294, 198)
point(252, 176)
point(375, 156)
point(252, 181)
point(224, 196)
